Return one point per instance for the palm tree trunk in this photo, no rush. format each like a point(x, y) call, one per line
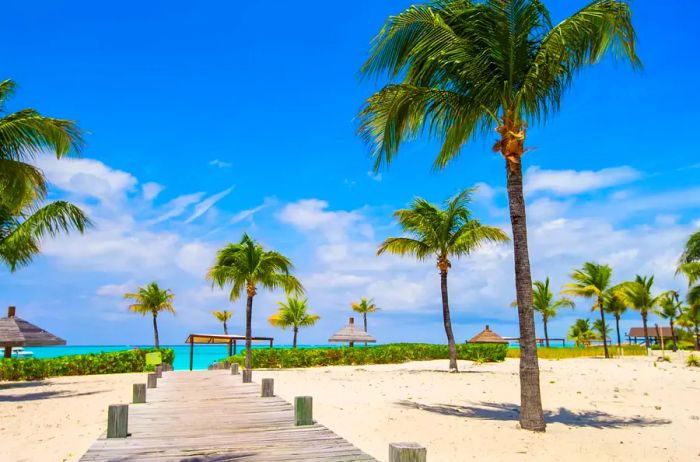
point(531, 414)
point(248, 330)
point(603, 333)
point(155, 332)
point(225, 328)
point(448, 323)
point(364, 318)
point(619, 340)
point(673, 332)
point(546, 334)
point(697, 337)
point(646, 333)
point(294, 341)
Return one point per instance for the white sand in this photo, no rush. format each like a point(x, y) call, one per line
point(598, 410)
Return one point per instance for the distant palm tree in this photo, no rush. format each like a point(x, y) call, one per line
point(223, 317)
point(637, 295)
point(293, 314)
point(592, 281)
point(460, 68)
point(441, 233)
point(670, 308)
point(690, 315)
point(614, 303)
point(365, 306)
point(152, 300)
point(247, 265)
point(581, 333)
point(603, 329)
point(544, 303)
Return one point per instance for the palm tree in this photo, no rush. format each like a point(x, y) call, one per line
point(637, 295)
point(223, 317)
point(293, 314)
point(247, 265)
point(543, 302)
point(592, 281)
point(690, 315)
point(461, 68)
point(365, 306)
point(603, 329)
point(614, 303)
point(152, 300)
point(581, 333)
point(441, 233)
point(670, 308)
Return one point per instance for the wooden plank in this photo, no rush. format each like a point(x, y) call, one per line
point(211, 416)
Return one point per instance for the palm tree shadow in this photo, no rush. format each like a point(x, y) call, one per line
point(511, 412)
point(46, 395)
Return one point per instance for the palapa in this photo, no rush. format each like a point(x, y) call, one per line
point(352, 334)
point(15, 332)
point(487, 336)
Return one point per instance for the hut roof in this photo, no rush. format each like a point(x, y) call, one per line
point(487, 336)
point(639, 332)
point(16, 331)
point(351, 333)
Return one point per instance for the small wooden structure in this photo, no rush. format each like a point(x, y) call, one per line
point(16, 332)
point(636, 335)
point(487, 336)
point(352, 334)
point(230, 340)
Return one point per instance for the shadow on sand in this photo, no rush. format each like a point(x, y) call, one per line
point(511, 412)
point(45, 395)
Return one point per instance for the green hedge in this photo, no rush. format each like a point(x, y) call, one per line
point(382, 354)
point(94, 363)
point(587, 352)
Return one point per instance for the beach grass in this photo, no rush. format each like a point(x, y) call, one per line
point(587, 352)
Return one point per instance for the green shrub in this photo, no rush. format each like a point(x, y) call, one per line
point(566, 353)
point(692, 361)
point(381, 354)
point(682, 345)
point(94, 363)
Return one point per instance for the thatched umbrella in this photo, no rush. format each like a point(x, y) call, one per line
point(487, 336)
point(16, 332)
point(352, 334)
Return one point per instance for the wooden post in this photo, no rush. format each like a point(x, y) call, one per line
point(152, 381)
point(407, 452)
point(159, 371)
point(268, 388)
point(191, 351)
point(235, 347)
point(139, 393)
point(247, 375)
point(234, 369)
point(118, 421)
point(661, 339)
point(303, 410)
point(227, 364)
point(230, 347)
point(8, 352)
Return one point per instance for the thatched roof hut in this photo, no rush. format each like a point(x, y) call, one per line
point(352, 334)
point(16, 332)
point(487, 336)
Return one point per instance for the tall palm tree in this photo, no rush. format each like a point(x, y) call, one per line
point(223, 317)
point(293, 314)
point(638, 296)
point(581, 333)
point(245, 266)
point(543, 302)
point(364, 307)
point(441, 233)
point(670, 308)
point(592, 281)
point(614, 303)
point(690, 315)
point(460, 68)
point(152, 300)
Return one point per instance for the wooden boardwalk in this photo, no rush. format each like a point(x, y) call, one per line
point(211, 416)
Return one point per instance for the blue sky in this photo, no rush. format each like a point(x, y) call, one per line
point(209, 121)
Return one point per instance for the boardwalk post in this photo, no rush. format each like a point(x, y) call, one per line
point(407, 452)
point(234, 369)
point(303, 410)
point(247, 375)
point(152, 380)
point(139, 393)
point(118, 421)
point(268, 388)
point(159, 371)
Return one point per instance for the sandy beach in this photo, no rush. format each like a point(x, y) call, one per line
point(610, 410)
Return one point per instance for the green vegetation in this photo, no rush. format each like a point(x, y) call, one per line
point(637, 295)
point(364, 307)
point(223, 317)
point(543, 302)
point(582, 333)
point(692, 361)
point(152, 300)
point(293, 314)
point(583, 352)
point(247, 265)
point(441, 233)
point(116, 362)
point(381, 354)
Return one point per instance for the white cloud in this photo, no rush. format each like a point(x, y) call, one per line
point(312, 215)
point(151, 190)
point(177, 206)
point(220, 163)
point(116, 290)
point(374, 176)
point(249, 213)
point(568, 182)
point(201, 208)
point(196, 258)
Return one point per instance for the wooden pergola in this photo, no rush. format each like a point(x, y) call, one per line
point(230, 340)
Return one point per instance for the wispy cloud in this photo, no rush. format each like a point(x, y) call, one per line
point(220, 163)
point(374, 176)
point(249, 213)
point(571, 182)
point(177, 206)
point(151, 190)
point(201, 208)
